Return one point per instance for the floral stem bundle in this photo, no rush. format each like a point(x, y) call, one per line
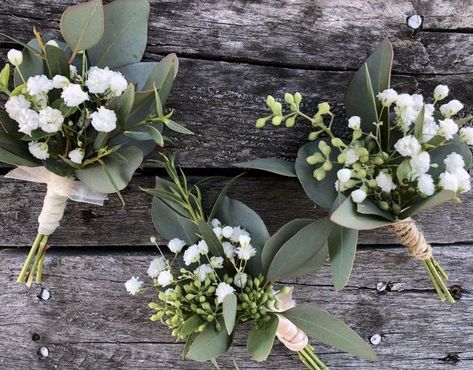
point(81, 113)
point(406, 154)
point(222, 273)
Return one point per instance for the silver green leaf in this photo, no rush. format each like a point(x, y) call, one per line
point(261, 339)
point(273, 165)
point(229, 308)
point(209, 344)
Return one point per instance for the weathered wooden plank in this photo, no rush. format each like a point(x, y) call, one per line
point(210, 98)
point(309, 34)
point(90, 321)
point(277, 200)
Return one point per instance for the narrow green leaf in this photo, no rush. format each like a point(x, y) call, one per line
point(9, 125)
point(342, 244)
point(190, 325)
point(347, 216)
point(82, 25)
point(302, 253)
point(278, 166)
point(430, 202)
point(56, 61)
point(261, 339)
point(112, 181)
point(32, 64)
point(419, 124)
point(229, 308)
point(170, 124)
point(404, 170)
point(367, 207)
point(138, 135)
point(215, 247)
point(277, 240)
point(209, 344)
point(5, 76)
point(221, 196)
point(16, 160)
point(122, 105)
point(329, 330)
point(155, 135)
point(125, 34)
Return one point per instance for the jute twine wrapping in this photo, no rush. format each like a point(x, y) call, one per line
point(412, 238)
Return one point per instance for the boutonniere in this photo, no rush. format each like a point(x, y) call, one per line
point(407, 153)
point(82, 112)
point(220, 269)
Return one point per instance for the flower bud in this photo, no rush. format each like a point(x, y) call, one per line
point(210, 318)
point(314, 135)
point(384, 205)
point(201, 299)
point(364, 159)
point(440, 92)
point(260, 122)
point(15, 57)
point(277, 108)
point(291, 121)
point(157, 316)
point(361, 174)
point(270, 101)
point(276, 121)
point(197, 284)
point(315, 158)
point(175, 333)
point(337, 142)
point(323, 108)
point(319, 174)
point(342, 157)
point(201, 328)
point(396, 209)
point(357, 134)
point(362, 152)
point(324, 148)
point(153, 305)
point(327, 166)
point(297, 98)
point(378, 161)
point(152, 239)
point(288, 98)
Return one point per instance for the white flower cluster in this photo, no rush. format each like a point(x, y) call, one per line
point(33, 110)
point(236, 243)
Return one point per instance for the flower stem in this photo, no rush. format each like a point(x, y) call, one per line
point(26, 265)
point(37, 260)
point(310, 359)
point(438, 277)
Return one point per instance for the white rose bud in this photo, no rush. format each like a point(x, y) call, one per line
point(15, 57)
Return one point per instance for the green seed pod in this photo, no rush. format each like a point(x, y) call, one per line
point(247, 289)
point(364, 159)
point(211, 289)
point(197, 283)
point(297, 98)
point(396, 209)
point(327, 166)
point(260, 122)
point(315, 158)
point(378, 161)
point(361, 174)
point(319, 174)
point(157, 316)
point(177, 304)
point(372, 183)
point(341, 158)
point(293, 107)
point(253, 311)
point(218, 327)
point(267, 318)
point(175, 333)
point(371, 145)
point(288, 98)
point(245, 298)
point(323, 108)
point(384, 205)
point(350, 184)
point(244, 305)
point(188, 288)
point(314, 135)
point(291, 121)
point(270, 101)
point(206, 306)
point(153, 305)
point(201, 328)
point(207, 282)
point(362, 152)
point(201, 299)
point(253, 305)
point(385, 156)
point(193, 306)
point(210, 318)
point(257, 316)
point(162, 296)
point(324, 148)
point(277, 108)
point(256, 281)
point(276, 121)
point(249, 283)
point(337, 142)
point(200, 311)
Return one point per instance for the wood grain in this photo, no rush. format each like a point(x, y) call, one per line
point(91, 322)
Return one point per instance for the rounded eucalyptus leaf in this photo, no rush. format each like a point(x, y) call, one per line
point(261, 339)
point(209, 344)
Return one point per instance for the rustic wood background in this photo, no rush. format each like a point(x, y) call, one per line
point(233, 53)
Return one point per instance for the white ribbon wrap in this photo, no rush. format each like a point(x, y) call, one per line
point(59, 190)
point(288, 333)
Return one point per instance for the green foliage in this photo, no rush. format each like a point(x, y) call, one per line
point(209, 344)
point(261, 339)
point(56, 61)
point(229, 308)
point(277, 166)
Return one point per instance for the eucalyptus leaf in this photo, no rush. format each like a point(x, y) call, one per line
point(438, 155)
point(209, 344)
point(347, 216)
point(367, 207)
point(9, 126)
point(322, 193)
point(221, 196)
point(342, 244)
point(235, 213)
point(32, 64)
point(215, 246)
point(273, 165)
point(261, 339)
point(5, 76)
point(302, 253)
point(57, 62)
point(16, 160)
point(419, 124)
point(329, 330)
point(138, 135)
point(430, 202)
point(82, 25)
point(277, 240)
point(121, 171)
point(190, 325)
point(229, 308)
point(59, 168)
point(156, 135)
point(404, 171)
point(122, 105)
point(125, 34)
point(174, 126)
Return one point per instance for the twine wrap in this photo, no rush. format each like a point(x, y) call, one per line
point(60, 189)
point(412, 238)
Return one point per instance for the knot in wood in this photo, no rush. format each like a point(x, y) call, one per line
point(412, 238)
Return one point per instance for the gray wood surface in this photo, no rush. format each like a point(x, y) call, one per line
point(233, 53)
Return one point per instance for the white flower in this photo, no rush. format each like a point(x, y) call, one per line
point(228, 249)
point(237, 232)
point(28, 120)
point(351, 156)
point(339, 186)
point(451, 108)
point(73, 95)
point(417, 101)
point(15, 57)
point(429, 130)
point(133, 285)
point(165, 278)
point(216, 262)
point(218, 232)
point(156, 266)
point(15, 105)
point(448, 128)
point(387, 97)
point(98, 80)
point(244, 241)
point(463, 178)
point(104, 120)
point(76, 155)
point(404, 101)
point(175, 245)
point(60, 82)
point(425, 184)
point(466, 135)
point(215, 222)
point(408, 146)
point(39, 84)
point(420, 163)
point(245, 253)
point(440, 92)
point(52, 43)
point(358, 195)
point(50, 119)
point(448, 181)
point(73, 70)
point(223, 289)
point(354, 123)
point(202, 271)
point(191, 255)
point(385, 182)
point(227, 232)
point(41, 100)
point(117, 83)
point(344, 175)
point(38, 150)
point(203, 247)
point(453, 162)
point(240, 279)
